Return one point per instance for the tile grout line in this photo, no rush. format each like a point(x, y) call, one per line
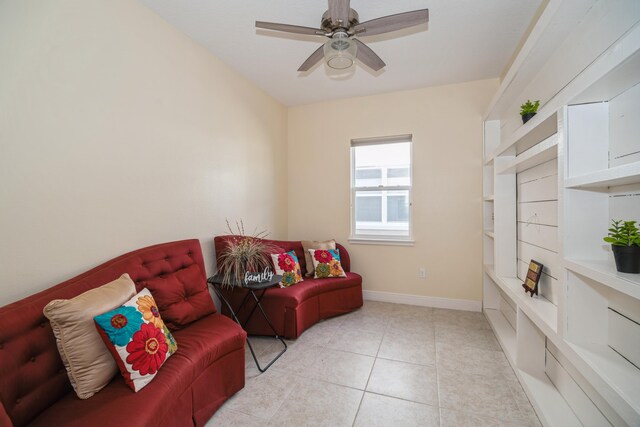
point(375, 358)
point(280, 406)
point(435, 366)
point(403, 399)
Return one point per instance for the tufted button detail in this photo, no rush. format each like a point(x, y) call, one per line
point(43, 324)
point(1, 345)
point(33, 359)
point(18, 401)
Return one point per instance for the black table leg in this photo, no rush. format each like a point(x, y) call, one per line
point(257, 305)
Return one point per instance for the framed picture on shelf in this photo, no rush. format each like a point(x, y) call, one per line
point(533, 277)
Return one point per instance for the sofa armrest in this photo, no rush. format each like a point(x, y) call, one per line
point(345, 260)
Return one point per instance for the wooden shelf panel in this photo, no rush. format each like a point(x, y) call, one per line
point(541, 311)
point(620, 79)
point(547, 400)
point(505, 334)
point(540, 127)
point(536, 155)
point(605, 273)
point(619, 175)
point(490, 198)
point(621, 377)
point(545, 397)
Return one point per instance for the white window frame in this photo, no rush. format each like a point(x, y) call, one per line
point(377, 238)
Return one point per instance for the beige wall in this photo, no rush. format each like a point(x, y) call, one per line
point(116, 132)
point(446, 123)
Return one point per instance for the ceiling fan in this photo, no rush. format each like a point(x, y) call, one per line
point(341, 25)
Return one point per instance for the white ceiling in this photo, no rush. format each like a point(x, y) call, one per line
point(465, 40)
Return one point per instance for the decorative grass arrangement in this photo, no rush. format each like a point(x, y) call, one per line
point(244, 254)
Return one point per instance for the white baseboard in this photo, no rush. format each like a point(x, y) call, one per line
point(424, 301)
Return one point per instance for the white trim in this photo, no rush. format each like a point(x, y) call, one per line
point(374, 241)
point(424, 301)
point(384, 188)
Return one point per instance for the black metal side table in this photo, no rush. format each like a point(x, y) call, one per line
point(257, 291)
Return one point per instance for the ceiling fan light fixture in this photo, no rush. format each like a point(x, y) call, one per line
point(341, 24)
point(340, 51)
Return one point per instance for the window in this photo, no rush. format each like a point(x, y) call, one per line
point(381, 189)
point(369, 208)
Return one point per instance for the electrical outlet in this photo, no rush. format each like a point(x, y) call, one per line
point(422, 273)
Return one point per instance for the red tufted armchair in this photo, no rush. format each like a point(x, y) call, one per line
point(206, 370)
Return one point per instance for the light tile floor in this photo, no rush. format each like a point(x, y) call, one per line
point(383, 365)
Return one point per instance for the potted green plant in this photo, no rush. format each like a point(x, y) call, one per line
point(528, 110)
point(625, 242)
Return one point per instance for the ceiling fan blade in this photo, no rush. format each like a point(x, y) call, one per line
point(368, 56)
point(296, 29)
point(312, 60)
point(390, 23)
point(339, 11)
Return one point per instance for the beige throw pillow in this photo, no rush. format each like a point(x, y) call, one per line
point(89, 364)
point(315, 244)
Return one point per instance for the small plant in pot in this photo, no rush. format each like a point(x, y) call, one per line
point(625, 242)
point(528, 110)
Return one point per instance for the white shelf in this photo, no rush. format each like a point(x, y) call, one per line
point(541, 311)
point(549, 28)
point(620, 376)
point(504, 332)
point(619, 175)
point(549, 404)
point(605, 272)
point(624, 76)
point(536, 155)
point(579, 136)
point(540, 127)
point(547, 401)
point(490, 198)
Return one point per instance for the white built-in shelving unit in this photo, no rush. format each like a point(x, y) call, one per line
point(551, 188)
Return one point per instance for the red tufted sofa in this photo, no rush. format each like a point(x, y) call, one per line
point(206, 370)
point(298, 307)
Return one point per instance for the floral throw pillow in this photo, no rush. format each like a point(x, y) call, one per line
point(287, 265)
point(327, 263)
point(137, 338)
